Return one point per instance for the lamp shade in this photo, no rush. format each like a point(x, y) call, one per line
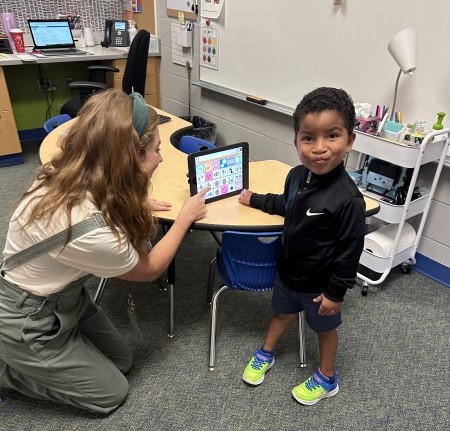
point(403, 48)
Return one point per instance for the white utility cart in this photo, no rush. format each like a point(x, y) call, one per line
point(433, 148)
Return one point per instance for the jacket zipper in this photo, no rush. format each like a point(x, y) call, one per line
point(299, 193)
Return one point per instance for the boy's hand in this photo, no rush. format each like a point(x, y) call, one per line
point(327, 307)
point(244, 197)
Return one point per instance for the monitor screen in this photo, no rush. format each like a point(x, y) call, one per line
point(51, 33)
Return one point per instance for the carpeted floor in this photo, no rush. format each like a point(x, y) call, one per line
point(393, 357)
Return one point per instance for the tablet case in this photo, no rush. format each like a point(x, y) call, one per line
point(223, 175)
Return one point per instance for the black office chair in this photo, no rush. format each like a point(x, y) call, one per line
point(97, 82)
point(133, 78)
point(136, 68)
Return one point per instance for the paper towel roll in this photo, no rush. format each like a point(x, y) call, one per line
point(381, 241)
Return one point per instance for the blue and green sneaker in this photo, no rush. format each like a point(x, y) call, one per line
point(255, 370)
point(315, 388)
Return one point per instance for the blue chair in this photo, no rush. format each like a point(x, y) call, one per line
point(54, 122)
point(191, 144)
point(248, 261)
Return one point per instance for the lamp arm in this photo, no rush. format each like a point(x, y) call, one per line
point(395, 95)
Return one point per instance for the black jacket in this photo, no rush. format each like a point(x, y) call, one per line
point(323, 233)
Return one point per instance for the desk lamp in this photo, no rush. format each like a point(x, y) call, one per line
point(403, 49)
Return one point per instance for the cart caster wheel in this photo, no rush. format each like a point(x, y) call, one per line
point(365, 289)
point(406, 268)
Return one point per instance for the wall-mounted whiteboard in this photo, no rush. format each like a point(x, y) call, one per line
point(185, 6)
point(281, 50)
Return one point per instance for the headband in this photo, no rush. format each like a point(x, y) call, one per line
point(140, 113)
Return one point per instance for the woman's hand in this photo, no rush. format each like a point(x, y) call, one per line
point(193, 209)
point(327, 307)
point(244, 197)
point(159, 205)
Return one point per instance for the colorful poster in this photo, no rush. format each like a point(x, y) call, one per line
point(209, 45)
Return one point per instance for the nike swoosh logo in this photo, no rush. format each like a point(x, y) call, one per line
point(309, 213)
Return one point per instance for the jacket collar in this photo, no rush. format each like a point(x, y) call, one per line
point(326, 178)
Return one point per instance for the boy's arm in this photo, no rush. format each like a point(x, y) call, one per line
point(350, 243)
point(269, 203)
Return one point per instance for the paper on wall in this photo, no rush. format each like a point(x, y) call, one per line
point(211, 8)
point(209, 45)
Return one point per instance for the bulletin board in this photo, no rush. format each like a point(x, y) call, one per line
point(283, 50)
point(185, 6)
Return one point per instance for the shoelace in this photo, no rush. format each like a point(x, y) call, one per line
point(258, 363)
point(311, 384)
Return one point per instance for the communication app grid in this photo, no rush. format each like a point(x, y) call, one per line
point(222, 172)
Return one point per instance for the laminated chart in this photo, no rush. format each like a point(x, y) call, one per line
point(209, 45)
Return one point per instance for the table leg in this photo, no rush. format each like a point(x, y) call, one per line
point(171, 284)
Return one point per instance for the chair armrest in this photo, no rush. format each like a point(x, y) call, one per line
point(87, 85)
point(102, 67)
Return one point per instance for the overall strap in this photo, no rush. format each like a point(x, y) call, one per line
point(57, 240)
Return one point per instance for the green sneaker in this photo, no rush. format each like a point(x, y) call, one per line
point(255, 370)
point(315, 388)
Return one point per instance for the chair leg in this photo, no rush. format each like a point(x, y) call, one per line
point(212, 343)
point(301, 338)
point(100, 289)
point(211, 274)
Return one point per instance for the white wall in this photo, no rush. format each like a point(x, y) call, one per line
point(270, 134)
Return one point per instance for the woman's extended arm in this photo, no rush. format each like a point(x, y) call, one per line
point(152, 265)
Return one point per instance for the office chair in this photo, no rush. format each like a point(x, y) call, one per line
point(133, 80)
point(136, 68)
point(191, 144)
point(97, 82)
point(247, 261)
point(54, 122)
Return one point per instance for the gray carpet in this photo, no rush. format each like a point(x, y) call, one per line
point(393, 357)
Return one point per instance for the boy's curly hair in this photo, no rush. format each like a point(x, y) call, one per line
point(325, 99)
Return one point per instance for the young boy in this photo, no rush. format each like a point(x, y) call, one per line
point(322, 240)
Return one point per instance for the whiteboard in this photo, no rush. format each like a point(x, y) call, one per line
point(282, 50)
point(185, 6)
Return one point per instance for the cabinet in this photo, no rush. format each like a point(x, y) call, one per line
point(151, 82)
point(10, 148)
point(433, 148)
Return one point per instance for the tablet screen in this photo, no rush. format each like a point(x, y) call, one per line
point(224, 169)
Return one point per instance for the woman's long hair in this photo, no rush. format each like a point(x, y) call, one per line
point(101, 155)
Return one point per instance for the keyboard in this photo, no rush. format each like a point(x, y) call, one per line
point(164, 119)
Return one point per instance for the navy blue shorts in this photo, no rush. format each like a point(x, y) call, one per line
point(287, 301)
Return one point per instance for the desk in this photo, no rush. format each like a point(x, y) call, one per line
point(10, 148)
point(170, 184)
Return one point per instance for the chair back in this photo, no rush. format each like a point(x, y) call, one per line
point(136, 68)
point(248, 260)
point(191, 144)
point(54, 122)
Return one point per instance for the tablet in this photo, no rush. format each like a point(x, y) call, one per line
point(224, 169)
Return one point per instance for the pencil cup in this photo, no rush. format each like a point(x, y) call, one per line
point(17, 35)
point(89, 37)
